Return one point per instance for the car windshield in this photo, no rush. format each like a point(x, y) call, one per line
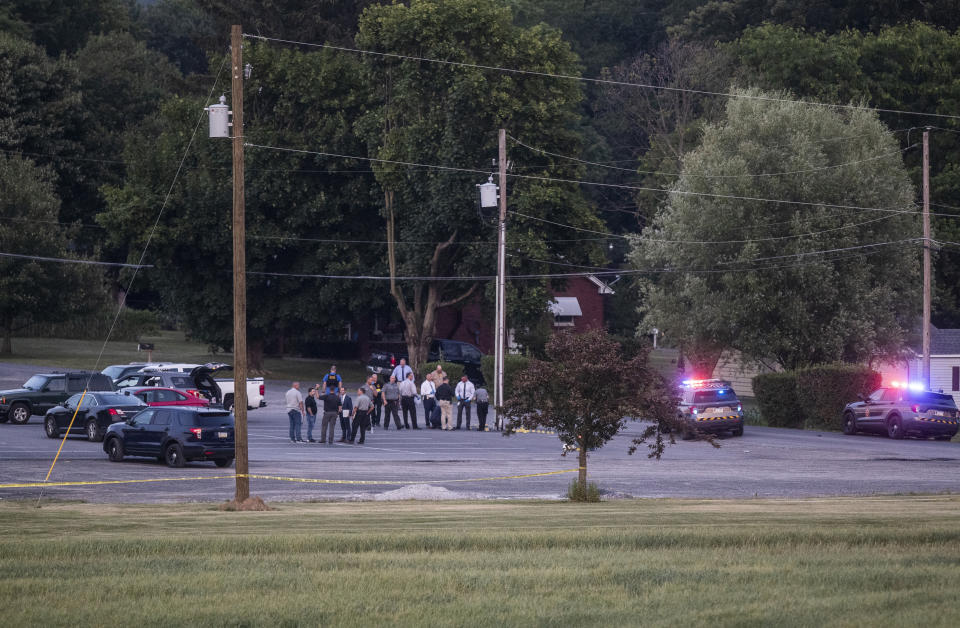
point(35, 383)
point(932, 398)
point(720, 395)
point(120, 400)
point(113, 372)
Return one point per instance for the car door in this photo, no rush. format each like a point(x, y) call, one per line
point(134, 432)
point(64, 415)
point(870, 414)
point(157, 431)
point(53, 393)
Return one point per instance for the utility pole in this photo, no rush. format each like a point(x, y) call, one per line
point(926, 257)
point(500, 336)
point(239, 274)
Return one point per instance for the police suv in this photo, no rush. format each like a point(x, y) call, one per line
point(902, 409)
point(709, 405)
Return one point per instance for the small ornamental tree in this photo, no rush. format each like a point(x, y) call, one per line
point(587, 391)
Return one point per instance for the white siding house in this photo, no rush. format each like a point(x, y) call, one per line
point(944, 362)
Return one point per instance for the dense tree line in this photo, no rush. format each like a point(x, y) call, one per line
point(99, 100)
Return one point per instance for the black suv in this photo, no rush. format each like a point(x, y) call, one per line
point(174, 435)
point(46, 390)
point(709, 405)
point(382, 362)
point(900, 410)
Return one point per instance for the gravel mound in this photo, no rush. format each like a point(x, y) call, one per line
point(425, 492)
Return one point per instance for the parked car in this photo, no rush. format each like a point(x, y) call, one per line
point(174, 435)
point(383, 361)
point(151, 378)
point(710, 406)
point(46, 390)
point(158, 396)
point(220, 390)
point(902, 409)
point(94, 414)
point(117, 372)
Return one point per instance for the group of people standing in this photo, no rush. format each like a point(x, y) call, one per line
point(374, 403)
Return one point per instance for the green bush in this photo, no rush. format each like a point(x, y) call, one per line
point(512, 364)
point(576, 492)
point(778, 399)
point(454, 371)
point(826, 389)
point(131, 326)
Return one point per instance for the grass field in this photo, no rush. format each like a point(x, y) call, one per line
point(855, 562)
point(171, 346)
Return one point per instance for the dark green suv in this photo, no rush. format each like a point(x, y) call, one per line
point(46, 390)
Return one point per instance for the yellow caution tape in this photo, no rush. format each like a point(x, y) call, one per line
point(279, 478)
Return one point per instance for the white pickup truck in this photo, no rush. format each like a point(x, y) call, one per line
point(255, 385)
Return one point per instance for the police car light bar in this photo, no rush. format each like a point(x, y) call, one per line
point(915, 386)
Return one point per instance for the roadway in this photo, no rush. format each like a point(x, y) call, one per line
point(765, 462)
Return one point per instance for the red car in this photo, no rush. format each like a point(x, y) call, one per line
point(157, 396)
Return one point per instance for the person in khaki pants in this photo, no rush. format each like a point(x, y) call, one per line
point(444, 400)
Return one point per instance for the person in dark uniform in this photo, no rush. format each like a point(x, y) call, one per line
point(332, 380)
point(361, 416)
point(346, 409)
point(310, 404)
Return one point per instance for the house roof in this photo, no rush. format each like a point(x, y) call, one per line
point(602, 286)
point(944, 341)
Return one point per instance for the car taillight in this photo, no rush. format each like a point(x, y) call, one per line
point(261, 390)
point(113, 412)
point(739, 408)
point(196, 431)
point(393, 361)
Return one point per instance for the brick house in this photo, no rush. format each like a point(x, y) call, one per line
point(581, 306)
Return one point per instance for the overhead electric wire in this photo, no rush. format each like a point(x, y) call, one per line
point(65, 260)
point(711, 176)
point(572, 77)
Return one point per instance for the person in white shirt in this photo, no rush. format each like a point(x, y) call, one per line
point(402, 370)
point(408, 392)
point(295, 411)
point(464, 392)
point(428, 393)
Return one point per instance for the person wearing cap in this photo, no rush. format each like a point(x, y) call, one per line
point(465, 392)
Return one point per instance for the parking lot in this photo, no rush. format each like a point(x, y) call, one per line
point(765, 462)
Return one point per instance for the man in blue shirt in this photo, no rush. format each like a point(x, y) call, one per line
point(332, 381)
point(402, 370)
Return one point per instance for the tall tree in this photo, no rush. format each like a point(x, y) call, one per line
point(448, 115)
point(298, 205)
point(36, 290)
point(63, 26)
point(801, 283)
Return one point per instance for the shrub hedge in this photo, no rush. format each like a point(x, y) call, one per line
point(454, 371)
point(812, 397)
point(512, 364)
point(777, 398)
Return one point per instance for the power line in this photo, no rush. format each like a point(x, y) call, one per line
point(64, 260)
point(712, 176)
point(464, 64)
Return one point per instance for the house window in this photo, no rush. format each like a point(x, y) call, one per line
point(956, 378)
point(562, 321)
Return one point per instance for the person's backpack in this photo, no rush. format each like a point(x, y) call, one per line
point(435, 416)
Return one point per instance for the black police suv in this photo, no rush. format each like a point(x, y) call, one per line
point(711, 406)
point(174, 436)
point(900, 410)
point(95, 412)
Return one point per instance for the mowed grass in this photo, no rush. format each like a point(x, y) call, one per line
point(171, 346)
point(855, 562)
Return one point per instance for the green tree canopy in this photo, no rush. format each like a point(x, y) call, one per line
point(753, 275)
point(449, 115)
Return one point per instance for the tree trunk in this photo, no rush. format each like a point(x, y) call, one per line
point(583, 466)
point(255, 357)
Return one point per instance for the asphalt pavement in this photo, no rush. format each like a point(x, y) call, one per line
point(764, 462)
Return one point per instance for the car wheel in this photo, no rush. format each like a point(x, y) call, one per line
point(944, 437)
point(738, 431)
point(849, 424)
point(687, 433)
point(19, 413)
point(93, 431)
point(115, 449)
point(228, 403)
point(173, 455)
point(50, 427)
point(222, 462)
point(895, 428)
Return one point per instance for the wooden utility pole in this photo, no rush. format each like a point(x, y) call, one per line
point(239, 273)
point(501, 330)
